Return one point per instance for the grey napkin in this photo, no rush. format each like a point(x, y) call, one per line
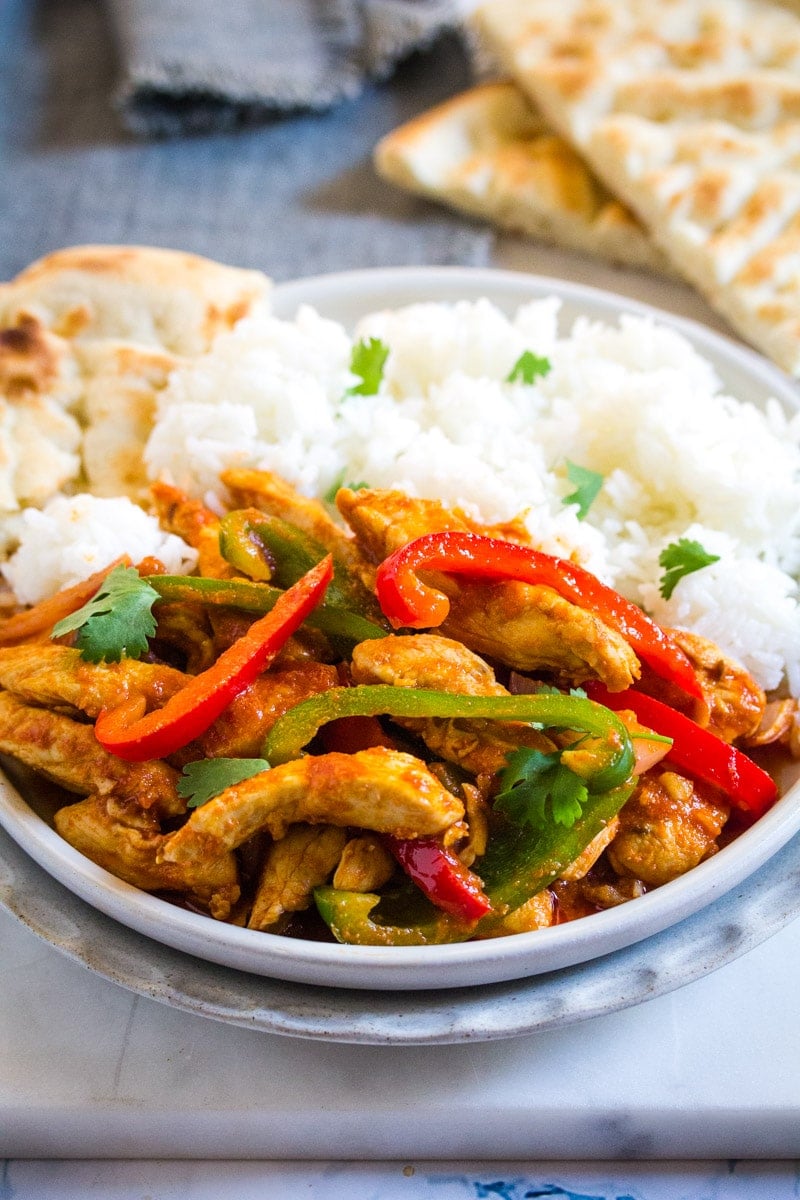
point(294, 196)
point(200, 65)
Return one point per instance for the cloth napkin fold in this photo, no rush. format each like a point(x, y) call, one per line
point(202, 65)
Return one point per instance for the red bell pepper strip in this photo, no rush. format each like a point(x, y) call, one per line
point(407, 602)
point(441, 875)
point(697, 751)
point(135, 737)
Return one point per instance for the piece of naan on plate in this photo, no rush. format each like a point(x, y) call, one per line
point(88, 337)
point(488, 153)
point(690, 111)
point(143, 294)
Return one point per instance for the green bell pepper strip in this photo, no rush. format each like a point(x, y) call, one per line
point(348, 915)
point(288, 553)
point(296, 728)
point(261, 598)
point(241, 546)
point(518, 863)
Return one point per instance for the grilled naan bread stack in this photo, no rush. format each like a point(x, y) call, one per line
point(656, 133)
point(689, 110)
point(488, 153)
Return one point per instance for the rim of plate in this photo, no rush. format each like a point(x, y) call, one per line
point(470, 963)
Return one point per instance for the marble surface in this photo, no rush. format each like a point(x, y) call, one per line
point(411, 1180)
point(89, 1070)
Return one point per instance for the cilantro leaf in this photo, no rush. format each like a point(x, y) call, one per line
point(204, 779)
point(528, 367)
point(339, 482)
point(367, 362)
point(587, 485)
point(118, 619)
point(681, 558)
point(537, 788)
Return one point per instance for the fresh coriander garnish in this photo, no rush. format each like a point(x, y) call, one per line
point(587, 484)
point(528, 367)
point(537, 788)
point(341, 482)
point(117, 621)
point(681, 558)
point(367, 361)
point(204, 779)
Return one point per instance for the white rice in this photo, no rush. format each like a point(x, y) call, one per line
point(634, 402)
point(72, 537)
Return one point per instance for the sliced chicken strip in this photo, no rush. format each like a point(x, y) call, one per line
point(240, 730)
point(59, 675)
point(532, 628)
point(67, 752)
point(383, 520)
point(735, 701)
point(127, 845)
point(424, 660)
point(537, 913)
point(271, 494)
point(199, 526)
point(365, 865)
point(379, 789)
point(302, 860)
point(427, 660)
point(588, 857)
point(667, 827)
point(529, 627)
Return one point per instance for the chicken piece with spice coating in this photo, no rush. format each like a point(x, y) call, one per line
point(127, 843)
point(365, 864)
point(61, 676)
point(303, 859)
point(529, 627)
point(427, 660)
point(240, 730)
point(668, 826)
point(180, 514)
point(67, 752)
point(735, 701)
point(383, 790)
point(118, 825)
point(271, 494)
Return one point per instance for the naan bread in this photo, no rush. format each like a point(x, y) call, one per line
point(154, 297)
point(488, 153)
point(121, 385)
point(39, 435)
point(88, 337)
point(690, 110)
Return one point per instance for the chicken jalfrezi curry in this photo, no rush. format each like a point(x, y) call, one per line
point(394, 727)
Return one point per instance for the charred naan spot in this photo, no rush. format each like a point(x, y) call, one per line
point(30, 358)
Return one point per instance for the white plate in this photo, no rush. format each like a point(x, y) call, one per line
point(740, 920)
point(346, 297)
